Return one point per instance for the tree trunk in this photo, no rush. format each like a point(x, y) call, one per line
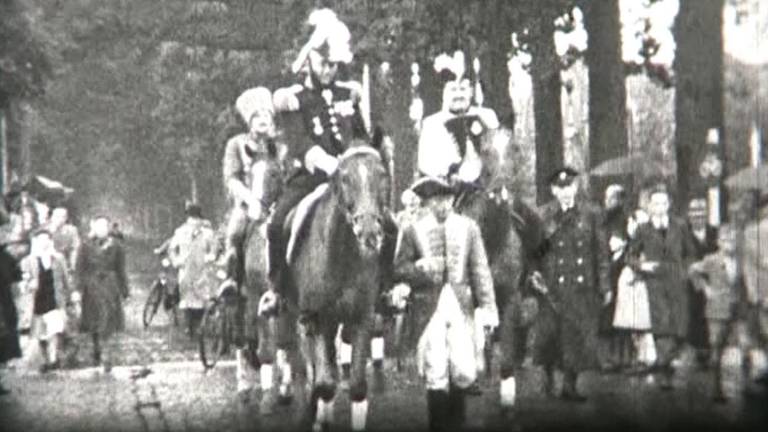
point(699, 89)
point(494, 72)
point(394, 105)
point(607, 89)
point(548, 116)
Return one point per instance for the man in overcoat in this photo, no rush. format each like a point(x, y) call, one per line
point(103, 285)
point(755, 267)
point(661, 252)
point(574, 261)
point(442, 257)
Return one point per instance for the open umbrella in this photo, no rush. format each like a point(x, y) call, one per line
point(638, 163)
point(47, 190)
point(749, 178)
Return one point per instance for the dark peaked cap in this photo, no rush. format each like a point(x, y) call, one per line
point(563, 176)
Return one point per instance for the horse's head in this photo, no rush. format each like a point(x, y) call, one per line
point(361, 185)
point(266, 182)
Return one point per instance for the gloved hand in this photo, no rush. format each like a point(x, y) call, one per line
point(399, 295)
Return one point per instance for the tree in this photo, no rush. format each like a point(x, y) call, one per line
point(699, 93)
point(607, 90)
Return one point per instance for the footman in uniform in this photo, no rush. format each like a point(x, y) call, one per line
point(442, 257)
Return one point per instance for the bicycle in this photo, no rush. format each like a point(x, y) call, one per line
point(218, 326)
point(164, 290)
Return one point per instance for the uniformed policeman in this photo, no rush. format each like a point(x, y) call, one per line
point(575, 265)
point(442, 257)
point(329, 115)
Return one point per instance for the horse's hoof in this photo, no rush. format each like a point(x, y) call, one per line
point(285, 397)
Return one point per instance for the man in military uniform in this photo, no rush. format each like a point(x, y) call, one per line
point(575, 265)
point(453, 140)
point(329, 115)
point(442, 257)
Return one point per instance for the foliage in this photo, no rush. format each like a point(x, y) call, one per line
point(24, 63)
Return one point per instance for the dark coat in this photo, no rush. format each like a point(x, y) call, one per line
point(697, 323)
point(667, 286)
point(10, 273)
point(574, 263)
point(103, 285)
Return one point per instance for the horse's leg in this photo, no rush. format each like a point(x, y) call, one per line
point(281, 358)
point(358, 389)
point(344, 351)
point(377, 342)
point(267, 329)
point(325, 386)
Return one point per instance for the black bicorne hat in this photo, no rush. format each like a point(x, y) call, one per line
point(428, 187)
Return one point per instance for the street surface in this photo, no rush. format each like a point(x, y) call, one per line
point(179, 395)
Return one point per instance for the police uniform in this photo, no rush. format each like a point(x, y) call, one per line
point(446, 354)
point(574, 260)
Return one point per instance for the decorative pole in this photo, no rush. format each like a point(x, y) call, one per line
point(416, 111)
point(711, 169)
point(479, 97)
point(755, 146)
point(365, 102)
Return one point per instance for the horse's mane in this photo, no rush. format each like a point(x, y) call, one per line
point(359, 150)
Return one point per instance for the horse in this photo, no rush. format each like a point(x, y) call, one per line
point(337, 274)
point(511, 232)
point(262, 338)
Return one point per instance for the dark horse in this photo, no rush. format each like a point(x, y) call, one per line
point(263, 336)
point(511, 232)
point(337, 275)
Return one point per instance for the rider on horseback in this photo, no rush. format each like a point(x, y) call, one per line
point(451, 140)
point(243, 151)
point(330, 118)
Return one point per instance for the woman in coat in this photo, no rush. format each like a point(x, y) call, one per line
point(103, 285)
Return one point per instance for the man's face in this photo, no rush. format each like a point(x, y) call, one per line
point(100, 228)
point(261, 122)
point(565, 195)
point(59, 216)
point(726, 241)
point(440, 206)
point(612, 201)
point(658, 204)
point(321, 69)
point(697, 214)
point(41, 244)
point(457, 94)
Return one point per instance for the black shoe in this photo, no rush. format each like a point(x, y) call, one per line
point(719, 398)
point(4, 391)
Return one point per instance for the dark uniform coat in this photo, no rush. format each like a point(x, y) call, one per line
point(667, 286)
point(575, 265)
point(103, 285)
point(10, 273)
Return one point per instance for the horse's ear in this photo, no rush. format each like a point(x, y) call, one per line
point(377, 138)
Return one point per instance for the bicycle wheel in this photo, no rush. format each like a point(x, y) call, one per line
point(213, 335)
point(153, 303)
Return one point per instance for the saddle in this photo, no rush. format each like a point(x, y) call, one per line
point(297, 220)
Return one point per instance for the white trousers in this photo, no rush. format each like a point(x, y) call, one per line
point(446, 349)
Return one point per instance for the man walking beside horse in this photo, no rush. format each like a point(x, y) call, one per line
point(442, 257)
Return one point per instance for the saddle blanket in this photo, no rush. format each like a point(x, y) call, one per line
point(300, 216)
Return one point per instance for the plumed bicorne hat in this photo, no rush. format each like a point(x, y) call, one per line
point(330, 35)
point(428, 187)
point(451, 68)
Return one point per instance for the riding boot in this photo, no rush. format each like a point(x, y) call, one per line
point(437, 410)
point(276, 256)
